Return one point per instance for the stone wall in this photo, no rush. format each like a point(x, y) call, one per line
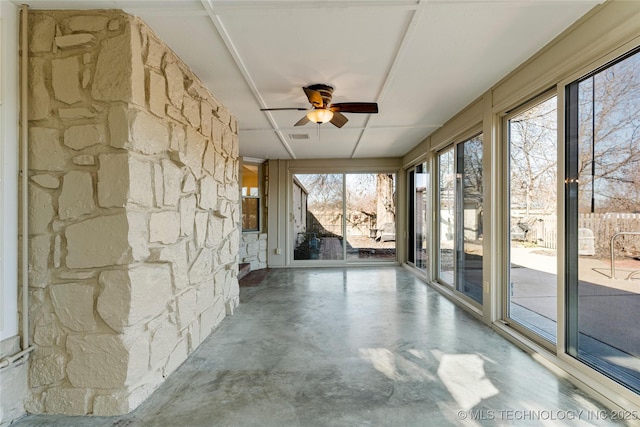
point(134, 212)
point(253, 250)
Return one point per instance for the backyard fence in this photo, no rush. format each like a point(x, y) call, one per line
point(543, 230)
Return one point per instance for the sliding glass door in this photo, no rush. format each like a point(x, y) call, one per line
point(532, 227)
point(417, 220)
point(344, 216)
point(603, 220)
point(460, 217)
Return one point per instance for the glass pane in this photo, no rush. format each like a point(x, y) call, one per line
point(250, 181)
point(411, 217)
point(371, 216)
point(318, 216)
point(446, 215)
point(421, 198)
point(469, 214)
point(533, 218)
point(608, 221)
point(250, 214)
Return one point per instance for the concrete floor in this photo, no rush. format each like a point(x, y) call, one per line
point(353, 347)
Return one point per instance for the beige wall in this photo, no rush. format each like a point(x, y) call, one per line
point(134, 212)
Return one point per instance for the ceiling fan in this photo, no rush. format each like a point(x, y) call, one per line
point(323, 110)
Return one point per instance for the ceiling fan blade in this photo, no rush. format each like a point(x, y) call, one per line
point(339, 119)
point(355, 107)
point(315, 97)
point(303, 121)
point(284, 108)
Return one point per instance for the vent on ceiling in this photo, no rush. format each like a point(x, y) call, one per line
point(299, 135)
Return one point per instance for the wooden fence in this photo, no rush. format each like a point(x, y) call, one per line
point(544, 232)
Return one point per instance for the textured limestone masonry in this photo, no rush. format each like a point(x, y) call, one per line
point(253, 250)
point(134, 212)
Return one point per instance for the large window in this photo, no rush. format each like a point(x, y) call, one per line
point(344, 216)
point(460, 217)
point(532, 227)
point(417, 219)
point(250, 197)
point(603, 220)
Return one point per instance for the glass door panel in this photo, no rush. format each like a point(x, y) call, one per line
point(469, 214)
point(532, 294)
point(318, 217)
point(370, 216)
point(446, 215)
point(603, 223)
point(421, 221)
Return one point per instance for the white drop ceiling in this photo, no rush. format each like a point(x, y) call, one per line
point(422, 61)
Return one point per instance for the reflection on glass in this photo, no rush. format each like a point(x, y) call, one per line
point(605, 302)
point(446, 215)
point(317, 217)
point(421, 198)
point(469, 214)
point(371, 216)
point(533, 218)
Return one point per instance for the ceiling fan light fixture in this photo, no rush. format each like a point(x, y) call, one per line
point(320, 115)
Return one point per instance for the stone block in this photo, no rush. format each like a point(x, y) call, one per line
point(163, 341)
point(177, 255)
point(158, 184)
point(137, 130)
point(113, 25)
point(189, 183)
point(186, 304)
point(205, 119)
point(194, 151)
point(66, 401)
point(113, 180)
point(65, 79)
point(201, 228)
point(42, 30)
point(191, 111)
point(214, 232)
point(86, 77)
point(119, 73)
point(205, 295)
point(140, 182)
point(155, 53)
point(106, 405)
point(172, 176)
point(84, 160)
point(208, 196)
point(187, 211)
point(177, 356)
point(175, 83)
point(89, 351)
point(164, 227)
point(178, 138)
point(202, 266)
point(211, 317)
point(83, 136)
point(73, 41)
point(41, 210)
point(45, 152)
point(209, 159)
point(103, 241)
point(76, 198)
point(73, 304)
point(46, 331)
point(47, 369)
point(39, 250)
point(75, 113)
point(87, 23)
point(46, 180)
point(125, 296)
point(157, 93)
point(39, 102)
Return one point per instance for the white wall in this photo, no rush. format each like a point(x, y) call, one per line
point(9, 17)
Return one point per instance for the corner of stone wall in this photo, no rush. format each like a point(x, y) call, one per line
point(133, 209)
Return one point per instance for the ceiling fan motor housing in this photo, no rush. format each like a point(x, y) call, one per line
point(326, 91)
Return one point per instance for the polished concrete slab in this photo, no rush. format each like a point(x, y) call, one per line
point(354, 347)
